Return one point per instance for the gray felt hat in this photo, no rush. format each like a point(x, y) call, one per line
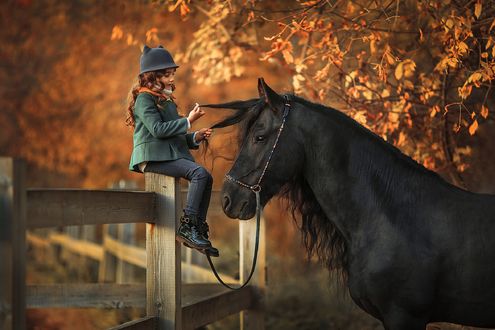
point(154, 59)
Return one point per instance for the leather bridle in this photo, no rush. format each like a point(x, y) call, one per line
point(256, 189)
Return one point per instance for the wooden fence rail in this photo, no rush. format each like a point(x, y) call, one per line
point(125, 253)
point(170, 304)
point(66, 207)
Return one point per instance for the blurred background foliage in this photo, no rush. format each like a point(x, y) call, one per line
point(417, 73)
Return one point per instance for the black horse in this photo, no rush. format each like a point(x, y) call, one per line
point(413, 248)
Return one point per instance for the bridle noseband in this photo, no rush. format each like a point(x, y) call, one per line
point(256, 188)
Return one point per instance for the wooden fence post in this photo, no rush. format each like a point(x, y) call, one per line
point(253, 319)
point(12, 244)
point(163, 272)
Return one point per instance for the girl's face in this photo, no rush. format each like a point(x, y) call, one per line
point(167, 78)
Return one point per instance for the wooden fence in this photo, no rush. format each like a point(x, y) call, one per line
point(169, 303)
point(116, 254)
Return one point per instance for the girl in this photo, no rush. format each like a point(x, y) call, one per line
point(161, 142)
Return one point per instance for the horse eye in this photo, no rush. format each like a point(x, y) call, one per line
point(259, 138)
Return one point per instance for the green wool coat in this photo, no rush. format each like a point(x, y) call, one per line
point(160, 134)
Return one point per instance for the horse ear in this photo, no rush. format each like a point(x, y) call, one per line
point(146, 49)
point(274, 100)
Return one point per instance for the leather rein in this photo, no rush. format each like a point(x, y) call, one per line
point(256, 189)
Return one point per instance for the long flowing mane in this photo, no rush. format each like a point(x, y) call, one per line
point(319, 234)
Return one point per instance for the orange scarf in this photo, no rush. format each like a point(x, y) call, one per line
point(160, 95)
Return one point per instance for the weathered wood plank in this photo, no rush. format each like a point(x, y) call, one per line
point(128, 253)
point(163, 271)
point(197, 299)
point(197, 274)
point(137, 257)
point(207, 303)
point(12, 244)
point(254, 318)
point(37, 241)
point(131, 254)
point(83, 295)
point(64, 207)
point(145, 323)
point(81, 247)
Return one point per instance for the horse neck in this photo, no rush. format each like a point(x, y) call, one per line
point(354, 175)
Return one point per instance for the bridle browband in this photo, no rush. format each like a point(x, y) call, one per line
point(256, 189)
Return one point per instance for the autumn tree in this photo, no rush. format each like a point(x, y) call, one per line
point(417, 73)
point(65, 85)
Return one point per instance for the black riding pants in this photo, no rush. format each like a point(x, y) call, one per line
point(201, 182)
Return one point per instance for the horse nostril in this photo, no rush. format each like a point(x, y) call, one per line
point(226, 202)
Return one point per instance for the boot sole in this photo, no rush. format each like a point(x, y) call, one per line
point(203, 251)
point(192, 245)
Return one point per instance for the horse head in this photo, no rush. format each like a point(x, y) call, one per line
point(268, 158)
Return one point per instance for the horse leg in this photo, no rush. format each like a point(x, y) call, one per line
point(398, 319)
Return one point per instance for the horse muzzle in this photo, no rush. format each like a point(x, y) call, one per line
point(237, 202)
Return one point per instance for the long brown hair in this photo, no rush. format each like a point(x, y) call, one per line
point(146, 80)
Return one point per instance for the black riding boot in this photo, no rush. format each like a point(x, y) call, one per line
point(204, 230)
point(190, 233)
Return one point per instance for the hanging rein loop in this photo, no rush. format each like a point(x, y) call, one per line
point(255, 256)
point(256, 189)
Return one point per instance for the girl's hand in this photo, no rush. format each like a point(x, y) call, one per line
point(203, 134)
point(195, 114)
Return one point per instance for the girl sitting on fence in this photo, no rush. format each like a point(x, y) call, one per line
point(162, 143)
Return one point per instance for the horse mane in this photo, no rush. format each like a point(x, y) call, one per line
point(319, 235)
point(389, 148)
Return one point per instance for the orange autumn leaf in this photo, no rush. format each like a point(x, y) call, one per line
point(473, 127)
point(434, 110)
point(464, 91)
point(174, 6)
point(477, 9)
point(287, 54)
point(398, 71)
point(184, 10)
point(151, 35)
point(117, 33)
point(484, 111)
